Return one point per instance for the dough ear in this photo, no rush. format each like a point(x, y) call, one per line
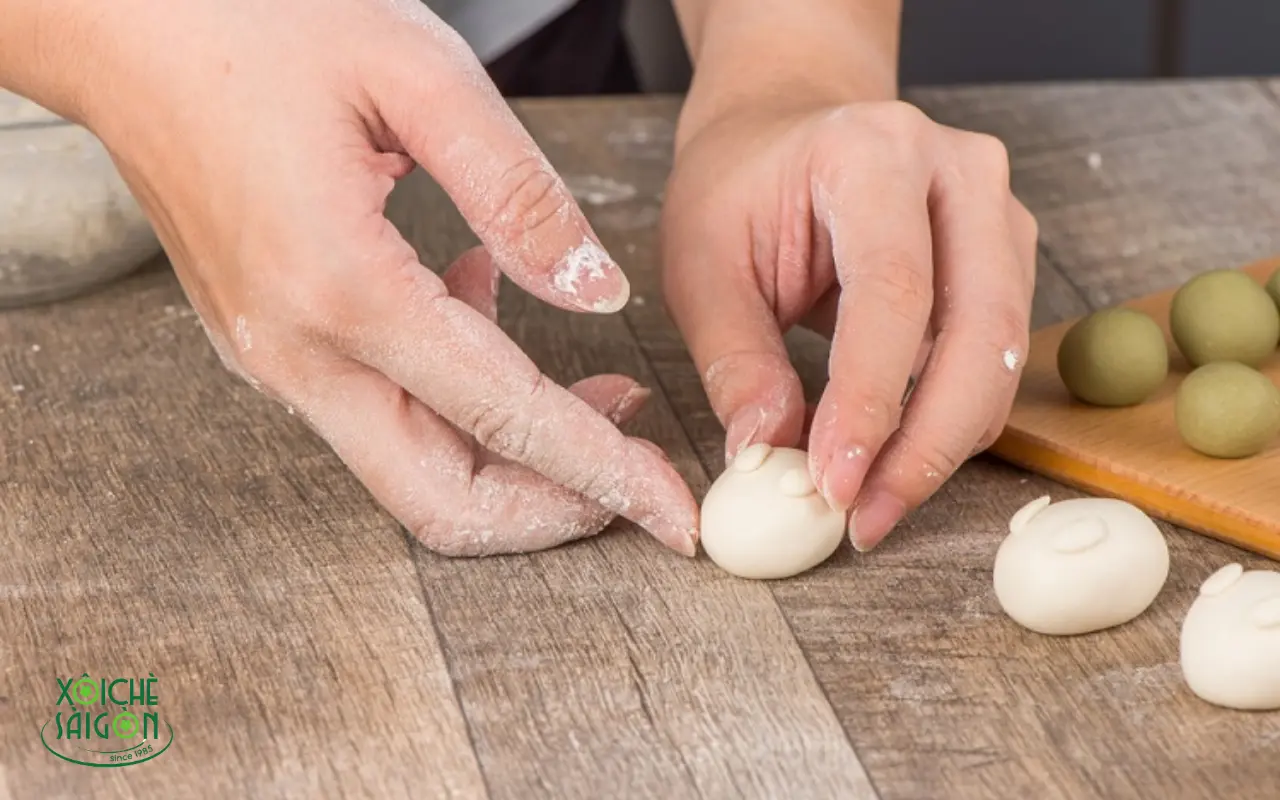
point(1022, 517)
point(1266, 614)
point(1080, 535)
point(1220, 581)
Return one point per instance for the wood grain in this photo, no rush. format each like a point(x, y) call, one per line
point(1136, 454)
point(941, 695)
point(156, 515)
point(161, 517)
point(612, 667)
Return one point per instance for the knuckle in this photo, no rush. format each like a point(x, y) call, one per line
point(905, 127)
point(530, 199)
point(988, 438)
point(1011, 327)
point(499, 427)
point(896, 129)
point(937, 460)
point(989, 148)
point(900, 282)
point(989, 154)
point(901, 118)
point(1004, 329)
point(1025, 224)
point(880, 408)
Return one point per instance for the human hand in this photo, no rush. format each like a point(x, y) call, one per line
point(896, 237)
point(263, 139)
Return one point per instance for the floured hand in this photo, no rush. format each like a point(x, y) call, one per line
point(263, 139)
point(897, 237)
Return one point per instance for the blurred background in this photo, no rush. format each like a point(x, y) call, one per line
point(970, 41)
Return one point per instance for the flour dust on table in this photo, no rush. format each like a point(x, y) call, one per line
point(1079, 565)
point(763, 518)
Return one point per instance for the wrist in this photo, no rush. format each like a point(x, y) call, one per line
point(750, 56)
point(45, 52)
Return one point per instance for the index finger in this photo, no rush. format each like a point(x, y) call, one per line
point(882, 246)
point(464, 368)
point(452, 120)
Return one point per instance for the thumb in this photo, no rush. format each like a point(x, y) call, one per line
point(450, 118)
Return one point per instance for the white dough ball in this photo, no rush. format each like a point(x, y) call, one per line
point(1230, 645)
point(1080, 565)
point(763, 518)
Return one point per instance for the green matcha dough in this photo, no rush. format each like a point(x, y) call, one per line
point(1273, 287)
point(1227, 410)
point(1114, 357)
point(1224, 315)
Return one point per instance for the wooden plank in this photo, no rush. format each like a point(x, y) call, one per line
point(1136, 454)
point(1037, 118)
point(941, 694)
point(1160, 209)
point(158, 517)
point(612, 667)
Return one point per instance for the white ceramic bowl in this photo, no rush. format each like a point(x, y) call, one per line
point(68, 223)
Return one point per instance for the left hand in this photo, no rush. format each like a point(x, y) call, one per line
point(896, 237)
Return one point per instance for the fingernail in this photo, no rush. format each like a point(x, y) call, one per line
point(626, 406)
point(841, 478)
point(677, 536)
point(691, 546)
point(873, 519)
point(742, 430)
point(652, 448)
point(672, 513)
point(589, 280)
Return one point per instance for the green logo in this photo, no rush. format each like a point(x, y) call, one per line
point(103, 722)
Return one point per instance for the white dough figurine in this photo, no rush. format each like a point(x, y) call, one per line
point(1080, 565)
point(763, 518)
point(1231, 640)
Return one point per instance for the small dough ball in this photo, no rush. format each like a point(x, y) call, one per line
point(1230, 641)
point(1080, 565)
point(1227, 410)
point(1114, 357)
point(763, 518)
point(1224, 315)
point(1273, 287)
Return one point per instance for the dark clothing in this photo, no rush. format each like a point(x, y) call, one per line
point(581, 52)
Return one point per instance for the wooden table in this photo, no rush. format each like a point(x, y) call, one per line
point(160, 517)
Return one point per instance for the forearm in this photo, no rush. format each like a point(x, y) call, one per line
point(44, 47)
point(801, 51)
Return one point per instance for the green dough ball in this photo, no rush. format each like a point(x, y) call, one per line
point(1115, 357)
point(1227, 410)
point(1273, 287)
point(1224, 315)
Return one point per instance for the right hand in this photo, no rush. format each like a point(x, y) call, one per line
point(262, 139)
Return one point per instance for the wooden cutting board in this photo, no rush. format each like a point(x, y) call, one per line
point(1135, 453)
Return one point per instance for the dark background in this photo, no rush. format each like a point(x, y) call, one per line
point(981, 41)
point(957, 41)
